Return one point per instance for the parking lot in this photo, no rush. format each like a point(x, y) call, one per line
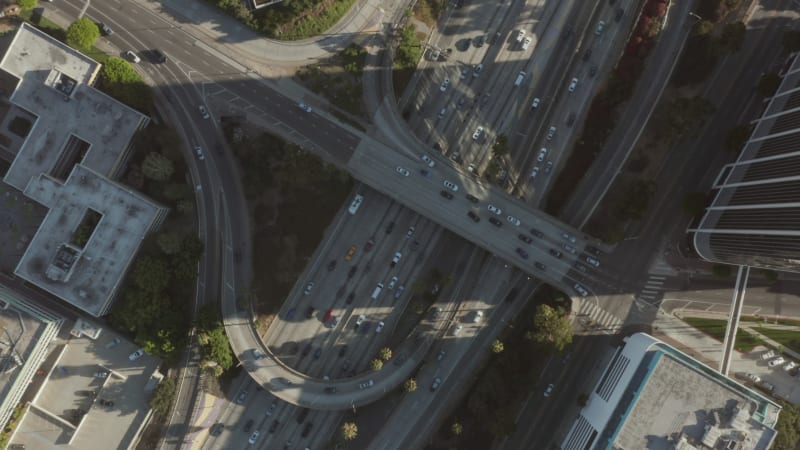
point(786, 383)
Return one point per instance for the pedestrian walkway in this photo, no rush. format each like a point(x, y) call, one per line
point(593, 318)
point(205, 415)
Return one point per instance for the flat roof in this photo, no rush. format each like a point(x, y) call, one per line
point(87, 276)
point(55, 88)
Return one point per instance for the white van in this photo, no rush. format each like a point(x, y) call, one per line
point(520, 79)
point(356, 203)
point(377, 291)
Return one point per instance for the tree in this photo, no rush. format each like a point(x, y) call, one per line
point(385, 353)
point(551, 328)
point(732, 36)
point(410, 385)
point(704, 27)
point(500, 147)
point(27, 5)
point(376, 364)
point(409, 50)
point(737, 137)
point(121, 81)
point(456, 429)
point(349, 431)
point(791, 41)
point(694, 203)
point(215, 346)
point(163, 396)
point(497, 346)
point(184, 263)
point(151, 274)
point(768, 84)
point(157, 167)
point(169, 243)
point(82, 34)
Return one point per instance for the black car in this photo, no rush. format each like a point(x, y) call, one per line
point(318, 353)
point(474, 216)
point(216, 429)
point(352, 271)
point(580, 267)
point(158, 56)
point(342, 350)
point(331, 265)
point(340, 292)
point(307, 429)
point(570, 119)
point(472, 198)
point(592, 71)
point(593, 250)
point(414, 246)
point(587, 54)
point(350, 297)
point(302, 417)
point(537, 233)
point(306, 350)
point(522, 253)
point(274, 426)
point(249, 425)
point(389, 227)
point(619, 14)
point(495, 221)
point(310, 312)
point(540, 266)
point(345, 365)
point(555, 253)
point(446, 195)
point(479, 41)
point(107, 31)
point(525, 239)
point(330, 390)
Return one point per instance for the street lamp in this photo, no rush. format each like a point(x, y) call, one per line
point(691, 14)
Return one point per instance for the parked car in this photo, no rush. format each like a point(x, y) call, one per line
point(769, 354)
point(136, 355)
point(777, 361)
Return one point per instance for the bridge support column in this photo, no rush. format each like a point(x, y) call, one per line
point(737, 302)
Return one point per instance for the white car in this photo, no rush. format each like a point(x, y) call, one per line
point(132, 57)
point(535, 103)
point(477, 134)
point(573, 85)
point(568, 237)
point(777, 361)
point(309, 287)
point(600, 27)
point(254, 437)
point(366, 384)
point(435, 54)
point(199, 152)
point(551, 133)
point(410, 233)
point(526, 43)
point(593, 261)
point(457, 330)
point(427, 159)
point(581, 290)
point(789, 366)
point(542, 154)
point(402, 171)
point(449, 185)
point(768, 355)
point(399, 291)
point(478, 317)
point(548, 390)
point(392, 283)
point(203, 111)
point(520, 35)
point(570, 249)
point(136, 355)
point(360, 320)
point(436, 383)
point(379, 328)
point(477, 70)
point(535, 172)
point(304, 107)
point(494, 210)
point(548, 167)
point(445, 84)
point(396, 259)
point(513, 220)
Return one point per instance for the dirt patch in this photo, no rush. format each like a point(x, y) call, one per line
point(338, 79)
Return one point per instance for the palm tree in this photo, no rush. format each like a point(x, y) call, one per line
point(410, 385)
point(456, 428)
point(376, 364)
point(497, 346)
point(349, 431)
point(385, 353)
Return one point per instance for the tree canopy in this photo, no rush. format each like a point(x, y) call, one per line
point(551, 327)
point(349, 431)
point(82, 34)
point(121, 81)
point(27, 5)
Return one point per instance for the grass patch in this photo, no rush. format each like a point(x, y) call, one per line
point(339, 80)
point(715, 328)
point(790, 322)
point(787, 338)
point(429, 11)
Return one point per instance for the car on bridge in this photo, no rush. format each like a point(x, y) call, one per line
point(402, 171)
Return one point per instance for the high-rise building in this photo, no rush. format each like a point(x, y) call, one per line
point(754, 219)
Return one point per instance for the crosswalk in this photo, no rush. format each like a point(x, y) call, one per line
point(591, 316)
point(653, 287)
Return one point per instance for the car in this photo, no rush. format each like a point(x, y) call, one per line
point(535, 103)
point(520, 35)
point(555, 253)
point(776, 361)
point(573, 85)
point(593, 250)
point(366, 384)
point(548, 390)
point(392, 283)
point(304, 107)
point(478, 317)
point(446, 194)
point(359, 321)
point(368, 246)
point(494, 210)
point(435, 54)
point(342, 350)
point(101, 374)
point(790, 366)
point(302, 416)
point(309, 288)
point(350, 297)
point(427, 160)
point(548, 167)
point(464, 73)
point(526, 43)
point(395, 259)
point(457, 330)
point(350, 253)
point(495, 221)
point(332, 265)
point(472, 215)
point(551, 133)
point(522, 253)
point(592, 72)
point(333, 322)
point(537, 233)
point(436, 383)
point(271, 408)
point(379, 328)
point(132, 57)
point(402, 171)
point(477, 134)
point(542, 154)
point(618, 15)
point(306, 350)
point(440, 356)
point(203, 112)
point(540, 266)
point(435, 312)
point(587, 54)
point(414, 246)
point(410, 232)
point(580, 290)
point(136, 355)
point(534, 172)
point(472, 198)
point(479, 41)
point(157, 56)
point(450, 185)
point(524, 238)
point(249, 425)
point(513, 220)
point(769, 354)
point(216, 429)
point(242, 397)
point(477, 70)
point(568, 237)
point(106, 29)
point(290, 313)
point(425, 173)
point(600, 27)
point(389, 227)
point(592, 261)
point(199, 152)
point(274, 426)
point(307, 429)
point(570, 119)
point(442, 113)
point(569, 248)
point(581, 268)
point(254, 437)
point(351, 273)
point(399, 291)
point(445, 84)
point(113, 343)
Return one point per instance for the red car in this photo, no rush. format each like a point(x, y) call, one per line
point(328, 315)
